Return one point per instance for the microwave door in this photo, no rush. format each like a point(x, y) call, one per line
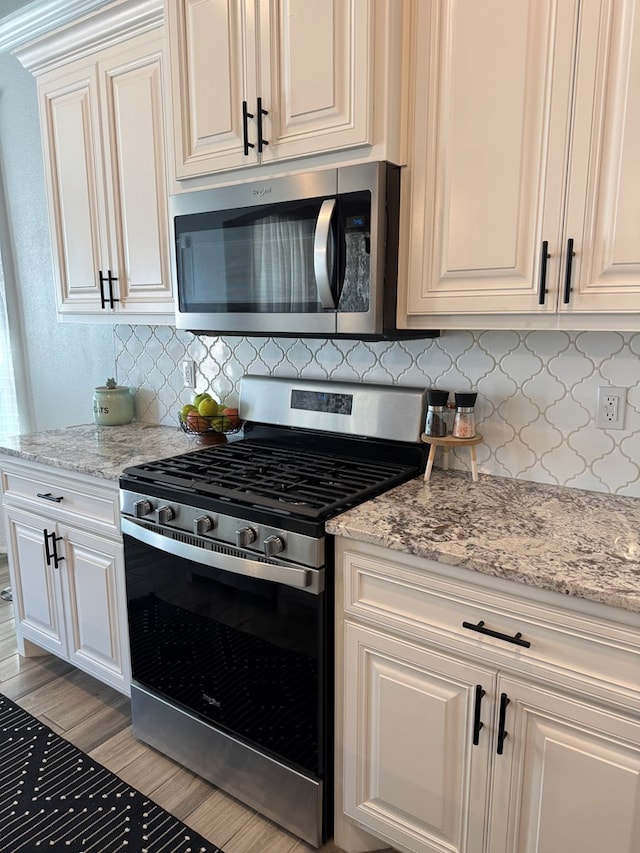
point(252, 269)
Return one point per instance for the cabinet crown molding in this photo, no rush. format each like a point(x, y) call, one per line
point(66, 31)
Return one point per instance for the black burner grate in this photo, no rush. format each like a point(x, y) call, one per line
point(299, 481)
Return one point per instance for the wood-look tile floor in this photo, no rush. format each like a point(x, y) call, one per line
point(97, 719)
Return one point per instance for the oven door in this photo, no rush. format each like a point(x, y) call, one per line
point(239, 643)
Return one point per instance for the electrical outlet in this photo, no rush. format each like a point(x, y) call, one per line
point(188, 367)
point(610, 407)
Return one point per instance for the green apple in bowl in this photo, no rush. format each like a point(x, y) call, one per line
point(208, 407)
point(200, 397)
point(184, 412)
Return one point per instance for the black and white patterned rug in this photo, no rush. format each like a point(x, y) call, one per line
point(54, 797)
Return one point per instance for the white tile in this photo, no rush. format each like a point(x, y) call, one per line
point(536, 390)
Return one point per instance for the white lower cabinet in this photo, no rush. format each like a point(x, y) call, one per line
point(453, 739)
point(414, 774)
point(67, 580)
point(568, 778)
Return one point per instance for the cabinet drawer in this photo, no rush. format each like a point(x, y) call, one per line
point(61, 497)
point(418, 598)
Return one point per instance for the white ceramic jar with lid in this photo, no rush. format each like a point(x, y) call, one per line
point(112, 404)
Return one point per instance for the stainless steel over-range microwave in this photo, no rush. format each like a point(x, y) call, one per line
point(312, 254)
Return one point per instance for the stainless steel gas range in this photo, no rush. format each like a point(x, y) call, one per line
point(229, 575)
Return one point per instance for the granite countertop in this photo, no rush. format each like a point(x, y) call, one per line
point(102, 451)
point(580, 543)
point(576, 542)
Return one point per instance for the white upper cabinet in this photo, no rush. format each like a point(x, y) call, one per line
point(101, 96)
point(520, 194)
point(603, 209)
point(75, 191)
point(213, 52)
point(316, 72)
point(256, 81)
point(135, 170)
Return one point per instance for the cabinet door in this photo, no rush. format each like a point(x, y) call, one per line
point(37, 594)
point(73, 167)
point(135, 168)
point(568, 778)
point(95, 606)
point(489, 135)
point(412, 772)
point(603, 214)
point(315, 75)
point(213, 70)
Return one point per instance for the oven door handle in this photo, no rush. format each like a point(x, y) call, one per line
point(306, 579)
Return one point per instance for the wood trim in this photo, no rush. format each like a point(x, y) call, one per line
point(35, 19)
point(64, 36)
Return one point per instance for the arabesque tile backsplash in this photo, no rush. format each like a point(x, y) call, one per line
point(536, 390)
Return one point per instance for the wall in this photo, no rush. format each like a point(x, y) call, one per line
point(536, 390)
point(62, 363)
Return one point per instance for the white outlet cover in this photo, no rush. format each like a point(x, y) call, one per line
point(605, 418)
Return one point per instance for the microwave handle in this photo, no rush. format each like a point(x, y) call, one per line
point(321, 253)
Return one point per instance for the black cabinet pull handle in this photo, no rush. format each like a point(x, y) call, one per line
point(110, 279)
point(502, 732)
point(261, 140)
point(49, 497)
point(482, 629)
point(53, 553)
point(47, 553)
point(56, 558)
point(477, 722)
point(567, 276)
point(544, 258)
point(246, 115)
point(103, 301)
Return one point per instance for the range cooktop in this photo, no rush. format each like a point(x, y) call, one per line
point(299, 481)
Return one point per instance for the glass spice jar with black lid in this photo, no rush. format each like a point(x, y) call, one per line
point(436, 423)
point(464, 420)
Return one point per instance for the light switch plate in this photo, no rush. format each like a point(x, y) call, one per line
point(188, 367)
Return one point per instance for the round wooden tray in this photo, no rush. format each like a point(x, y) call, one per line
point(447, 442)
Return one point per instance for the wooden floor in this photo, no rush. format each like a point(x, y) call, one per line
point(97, 719)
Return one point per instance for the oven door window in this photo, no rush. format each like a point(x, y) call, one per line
point(243, 654)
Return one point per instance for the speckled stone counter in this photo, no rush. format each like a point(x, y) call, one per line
point(103, 451)
point(575, 542)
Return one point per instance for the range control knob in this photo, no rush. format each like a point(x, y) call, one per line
point(273, 545)
point(142, 508)
point(165, 514)
point(202, 524)
point(245, 536)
